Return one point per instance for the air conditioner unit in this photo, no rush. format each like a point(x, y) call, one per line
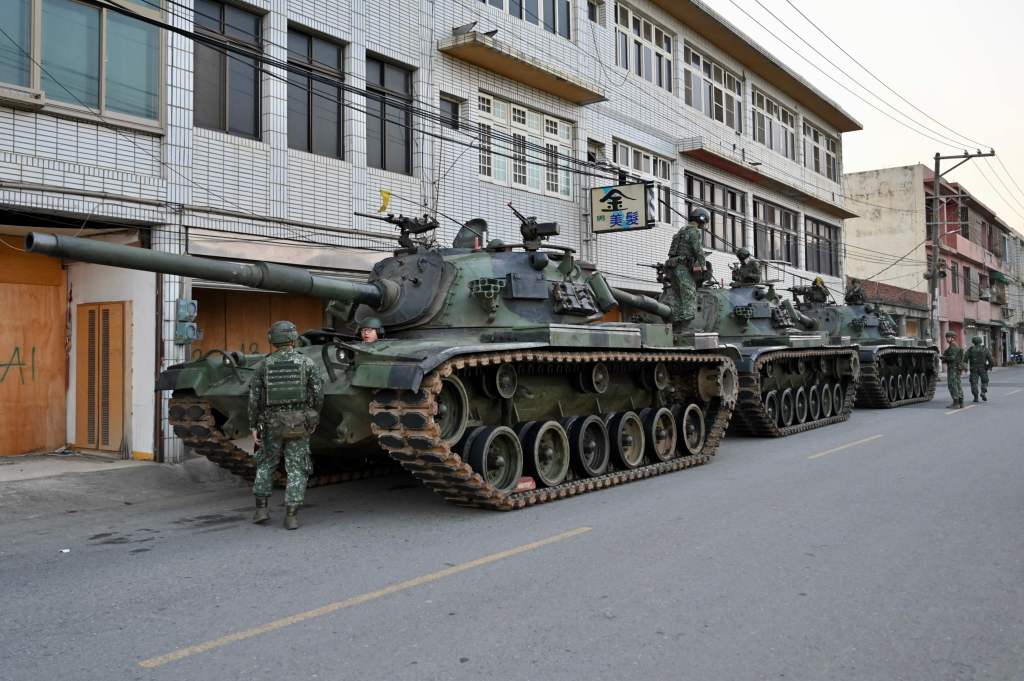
point(985, 294)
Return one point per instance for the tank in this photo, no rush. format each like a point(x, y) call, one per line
point(497, 381)
point(793, 376)
point(894, 370)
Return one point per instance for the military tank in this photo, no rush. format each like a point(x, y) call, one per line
point(496, 383)
point(792, 375)
point(895, 370)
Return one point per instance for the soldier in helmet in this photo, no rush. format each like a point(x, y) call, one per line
point(855, 293)
point(685, 267)
point(979, 360)
point(371, 330)
point(954, 359)
point(748, 271)
point(285, 397)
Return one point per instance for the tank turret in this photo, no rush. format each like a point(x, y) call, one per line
point(492, 375)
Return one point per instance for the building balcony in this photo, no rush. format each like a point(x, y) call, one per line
point(736, 161)
point(498, 57)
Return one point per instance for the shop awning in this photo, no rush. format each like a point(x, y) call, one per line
point(999, 276)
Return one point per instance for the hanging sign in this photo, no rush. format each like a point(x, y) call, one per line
point(623, 207)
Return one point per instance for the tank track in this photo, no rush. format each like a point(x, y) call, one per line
point(750, 409)
point(422, 451)
point(193, 422)
point(871, 394)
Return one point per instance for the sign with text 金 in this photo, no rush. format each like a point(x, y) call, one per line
point(622, 207)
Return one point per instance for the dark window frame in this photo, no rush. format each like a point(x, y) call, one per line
point(307, 86)
point(773, 240)
point(823, 243)
point(225, 34)
point(378, 94)
point(727, 230)
point(450, 119)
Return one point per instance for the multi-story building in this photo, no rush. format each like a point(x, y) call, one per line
point(975, 257)
point(256, 130)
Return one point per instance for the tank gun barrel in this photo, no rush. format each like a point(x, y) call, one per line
point(260, 275)
point(641, 302)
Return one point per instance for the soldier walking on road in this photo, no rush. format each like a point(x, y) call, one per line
point(685, 262)
point(285, 398)
point(979, 360)
point(954, 359)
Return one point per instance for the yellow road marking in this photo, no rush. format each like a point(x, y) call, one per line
point(958, 411)
point(1014, 392)
point(213, 644)
point(842, 447)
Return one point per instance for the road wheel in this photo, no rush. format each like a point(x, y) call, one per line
point(588, 445)
point(626, 434)
point(838, 398)
point(786, 407)
point(497, 456)
point(545, 452)
point(800, 404)
point(901, 387)
point(692, 427)
point(814, 402)
point(452, 409)
point(826, 401)
point(771, 406)
point(660, 432)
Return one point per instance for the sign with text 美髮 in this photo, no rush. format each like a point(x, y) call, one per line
point(622, 207)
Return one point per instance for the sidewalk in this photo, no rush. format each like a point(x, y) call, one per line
point(29, 466)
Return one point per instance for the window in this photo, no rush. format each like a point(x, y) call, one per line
point(727, 205)
point(523, 148)
point(774, 125)
point(954, 277)
point(388, 116)
point(227, 88)
point(965, 223)
point(821, 152)
point(592, 12)
point(968, 288)
point(823, 245)
point(713, 89)
point(315, 107)
point(90, 57)
point(648, 167)
point(775, 232)
point(642, 48)
point(449, 113)
point(553, 15)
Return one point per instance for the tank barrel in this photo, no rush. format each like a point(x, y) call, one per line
point(641, 303)
point(261, 275)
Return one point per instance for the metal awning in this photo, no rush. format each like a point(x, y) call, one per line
point(996, 275)
point(501, 58)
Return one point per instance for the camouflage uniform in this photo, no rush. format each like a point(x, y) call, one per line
point(297, 460)
point(954, 359)
point(979, 359)
point(684, 255)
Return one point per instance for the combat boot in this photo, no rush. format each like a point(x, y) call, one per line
point(291, 517)
point(984, 397)
point(960, 404)
point(262, 513)
point(975, 398)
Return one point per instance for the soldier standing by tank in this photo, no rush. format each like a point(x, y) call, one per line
point(285, 397)
point(685, 259)
point(979, 360)
point(954, 359)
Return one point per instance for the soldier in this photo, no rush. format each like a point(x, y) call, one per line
point(954, 359)
point(817, 292)
point(748, 271)
point(285, 397)
point(371, 330)
point(979, 360)
point(685, 267)
point(855, 294)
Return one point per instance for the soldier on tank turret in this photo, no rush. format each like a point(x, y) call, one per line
point(285, 398)
point(817, 292)
point(685, 265)
point(855, 294)
point(371, 330)
point(979, 360)
point(954, 359)
point(748, 272)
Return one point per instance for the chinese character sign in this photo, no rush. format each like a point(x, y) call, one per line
point(621, 207)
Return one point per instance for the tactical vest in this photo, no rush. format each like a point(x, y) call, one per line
point(285, 384)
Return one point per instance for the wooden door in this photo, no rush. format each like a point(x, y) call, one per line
point(99, 376)
point(239, 320)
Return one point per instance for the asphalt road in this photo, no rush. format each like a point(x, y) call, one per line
point(890, 547)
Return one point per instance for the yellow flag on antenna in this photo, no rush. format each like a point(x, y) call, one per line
point(385, 199)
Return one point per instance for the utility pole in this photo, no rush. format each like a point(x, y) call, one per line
point(937, 232)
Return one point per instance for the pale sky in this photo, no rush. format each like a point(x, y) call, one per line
point(959, 62)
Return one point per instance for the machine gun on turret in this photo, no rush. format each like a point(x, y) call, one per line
point(534, 233)
point(407, 226)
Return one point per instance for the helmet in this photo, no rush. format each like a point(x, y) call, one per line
point(700, 215)
point(976, 340)
point(818, 281)
point(950, 334)
point(282, 332)
point(742, 252)
point(371, 323)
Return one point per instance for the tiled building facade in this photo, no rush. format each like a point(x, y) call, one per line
point(454, 108)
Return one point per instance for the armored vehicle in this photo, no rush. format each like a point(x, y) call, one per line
point(792, 376)
point(894, 370)
point(496, 383)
